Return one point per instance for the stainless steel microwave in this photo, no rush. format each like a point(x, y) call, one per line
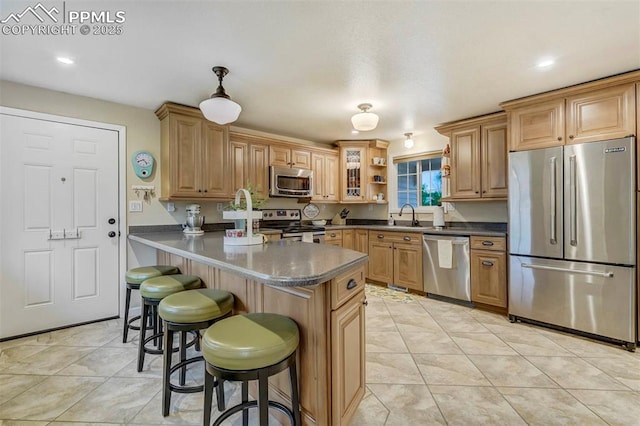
point(290, 182)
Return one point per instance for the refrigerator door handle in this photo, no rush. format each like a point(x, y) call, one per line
point(572, 201)
point(552, 164)
point(604, 274)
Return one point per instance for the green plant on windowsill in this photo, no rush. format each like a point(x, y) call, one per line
point(257, 201)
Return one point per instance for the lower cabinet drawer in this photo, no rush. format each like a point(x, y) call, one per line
point(345, 286)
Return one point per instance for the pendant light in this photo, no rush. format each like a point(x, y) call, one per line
point(364, 120)
point(219, 108)
point(408, 142)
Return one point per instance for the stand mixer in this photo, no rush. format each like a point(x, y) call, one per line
point(194, 220)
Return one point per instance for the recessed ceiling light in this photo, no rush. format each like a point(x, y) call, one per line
point(65, 60)
point(546, 63)
point(354, 132)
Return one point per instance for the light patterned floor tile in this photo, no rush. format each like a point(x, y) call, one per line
point(416, 323)
point(481, 344)
point(103, 362)
point(370, 412)
point(392, 368)
point(463, 405)
point(511, 370)
point(575, 373)
point(625, 370)
point(449, 370)
point(49, 398)
point(533, 344)
point(48, 361)
point(117, 400)
point(12, 385)
point(549, 407)
point(617, 408)
point(385, 341)
point(408, 404)
point(430, 343)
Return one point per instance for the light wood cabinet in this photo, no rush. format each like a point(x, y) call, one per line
point(489, 271)
point(333, 237)
point(194, 155)
point(349, 238)
point(249, 163)
point(478, 157)
point(287, 156)
point(396, 257)
point(585, 113)
point(348, 358)
point(358, 171)
point(362, 245)
point(326, 176)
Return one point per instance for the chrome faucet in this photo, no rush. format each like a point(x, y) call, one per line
point(414, 222)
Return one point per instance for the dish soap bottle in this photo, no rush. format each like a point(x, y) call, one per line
point(391, 222)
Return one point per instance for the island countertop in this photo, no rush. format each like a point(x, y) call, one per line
point(280, 263)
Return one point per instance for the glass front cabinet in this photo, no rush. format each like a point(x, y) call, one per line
point(363, 171)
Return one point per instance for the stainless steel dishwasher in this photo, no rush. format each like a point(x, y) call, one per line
point(445, 266)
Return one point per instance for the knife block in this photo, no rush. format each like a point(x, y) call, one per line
point(337, 220)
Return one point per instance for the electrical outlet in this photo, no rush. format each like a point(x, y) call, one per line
point(135, 206)
point(219, 207)
point(171, 207)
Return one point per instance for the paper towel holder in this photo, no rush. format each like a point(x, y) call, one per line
point(438, 217)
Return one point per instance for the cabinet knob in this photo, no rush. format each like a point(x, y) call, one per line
point(199, 190)
point(366, 302)
point(559, 138)
point(487, 263)
point(487, 243)
point(477, 192)
point(205, 190)
point(380, 236)
point(570, 136)
point(406, 238)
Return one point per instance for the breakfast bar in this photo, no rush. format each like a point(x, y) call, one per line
point(321, 287)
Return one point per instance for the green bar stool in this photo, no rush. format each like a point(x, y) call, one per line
point(251, 347)
point(153, 291)
point(134, 277)
point(183, 312)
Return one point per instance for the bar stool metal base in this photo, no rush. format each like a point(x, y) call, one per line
point(150, 309)
point(167, 370)
point(262, 375)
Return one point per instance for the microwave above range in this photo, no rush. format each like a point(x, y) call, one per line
point(290, 182)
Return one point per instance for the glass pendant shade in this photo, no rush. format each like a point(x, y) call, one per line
point(408, 142)
point(220, 110)
point(364, 121)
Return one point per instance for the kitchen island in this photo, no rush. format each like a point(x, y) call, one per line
point(319, 286)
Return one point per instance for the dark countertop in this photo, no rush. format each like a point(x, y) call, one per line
point(282, 263)
point(463, 231)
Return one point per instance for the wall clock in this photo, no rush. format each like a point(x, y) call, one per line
point(143, 163)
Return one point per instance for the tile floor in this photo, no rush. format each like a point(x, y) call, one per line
point(428, 362)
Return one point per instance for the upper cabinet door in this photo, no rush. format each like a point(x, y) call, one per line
point(603, 114)
point(465, 162)
point(494, 160)
point(185, 155)
point(301, 158)
point(537, 126)
point(215, 182)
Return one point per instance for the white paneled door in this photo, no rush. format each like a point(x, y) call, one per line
point(59, 224)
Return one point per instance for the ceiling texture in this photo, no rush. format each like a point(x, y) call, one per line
point(300, 68)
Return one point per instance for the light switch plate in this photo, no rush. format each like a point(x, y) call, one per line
point(135, 206)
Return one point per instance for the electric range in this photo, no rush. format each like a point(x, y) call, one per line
point(289, 221)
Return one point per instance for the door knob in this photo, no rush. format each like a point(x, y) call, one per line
point(111, 234)
point(111, 221)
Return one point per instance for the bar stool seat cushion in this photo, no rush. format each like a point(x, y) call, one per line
point(251, 341)
point(160, 287)
point(138, 275)
point(193, 306)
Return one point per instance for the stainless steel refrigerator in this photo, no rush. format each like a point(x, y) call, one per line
point(572, 228)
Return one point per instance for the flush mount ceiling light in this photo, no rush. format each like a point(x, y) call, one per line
point(65, 60)
point(219, 108)
point(546, 63)
point(364, 120)
point(408, 142)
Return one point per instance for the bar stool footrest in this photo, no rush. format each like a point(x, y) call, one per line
point(181, 388)
point(251, 404)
